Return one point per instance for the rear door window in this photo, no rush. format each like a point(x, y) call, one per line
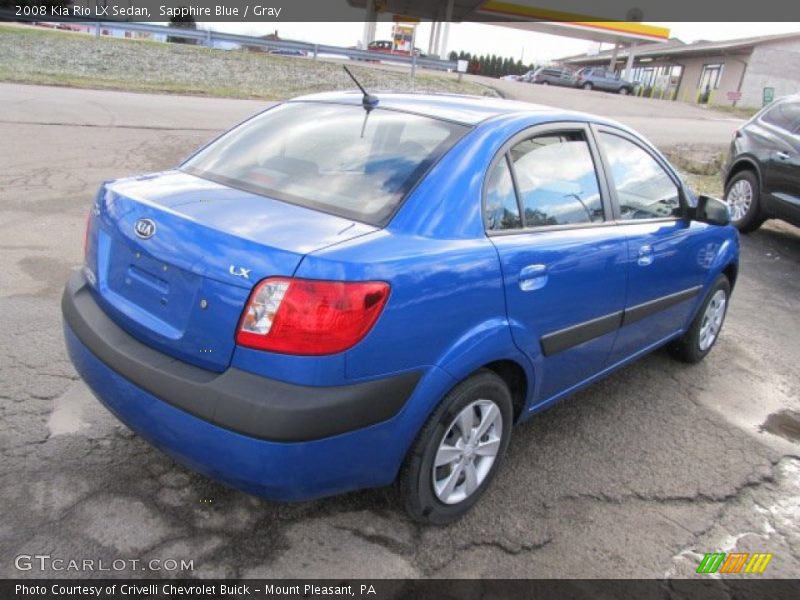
point(331, 157)
point(556, 180)
point(785, 115)
point(501, 208)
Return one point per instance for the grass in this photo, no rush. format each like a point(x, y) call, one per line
point(36, 56)
point(710, 185)
point(743, 112)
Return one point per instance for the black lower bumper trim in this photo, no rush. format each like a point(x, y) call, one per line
point(236, 400)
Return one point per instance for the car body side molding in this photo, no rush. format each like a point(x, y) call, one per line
point(646, 309)
point(574, 335)
point(566, 338)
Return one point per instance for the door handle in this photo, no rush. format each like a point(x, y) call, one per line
point(645, 255)
point(533, 277)
point(782, 155)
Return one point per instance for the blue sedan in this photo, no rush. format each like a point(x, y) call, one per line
point(346, 292)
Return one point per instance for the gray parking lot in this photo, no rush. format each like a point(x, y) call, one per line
point(638, 476)
point(665, 123)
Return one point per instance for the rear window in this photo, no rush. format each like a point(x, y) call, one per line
point(330, 157)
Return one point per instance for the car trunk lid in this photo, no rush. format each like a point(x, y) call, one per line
point(175, 257)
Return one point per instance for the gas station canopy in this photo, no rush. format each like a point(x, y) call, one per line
point(530, 16)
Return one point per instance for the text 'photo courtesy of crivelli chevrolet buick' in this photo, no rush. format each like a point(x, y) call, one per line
point(350, 291)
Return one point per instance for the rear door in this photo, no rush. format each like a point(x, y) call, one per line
point(598, 79)
point(668, 255)
point(563, 260)
point(610, 81)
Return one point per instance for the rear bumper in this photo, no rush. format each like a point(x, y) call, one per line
point(278, 469)
point(237, 400)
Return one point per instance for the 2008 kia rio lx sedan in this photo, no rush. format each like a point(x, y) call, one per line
point(343, 293)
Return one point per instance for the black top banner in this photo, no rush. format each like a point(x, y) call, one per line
point(620, 11)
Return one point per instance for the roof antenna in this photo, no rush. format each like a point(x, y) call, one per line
point(368, 101)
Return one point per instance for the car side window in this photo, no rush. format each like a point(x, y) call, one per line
point(501, 209)
point(556, 180)
point(644, 190)
point(785, 115)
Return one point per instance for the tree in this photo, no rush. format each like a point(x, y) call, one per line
point(183, 22)
point(492, 65)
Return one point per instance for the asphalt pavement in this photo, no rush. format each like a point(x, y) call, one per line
point(638, 476)
point(662, 121)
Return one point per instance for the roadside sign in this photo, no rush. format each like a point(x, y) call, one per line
point(768, 96)
point(404, 19)
point(733, 95)
point(462, 66)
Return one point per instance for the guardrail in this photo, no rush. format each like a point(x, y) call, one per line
point(208, 37)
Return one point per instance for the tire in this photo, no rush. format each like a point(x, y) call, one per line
point(742, 196)
point(698, 341)
point(545, 83)
point(423, 489)
point(587, 86)
point(623, 91)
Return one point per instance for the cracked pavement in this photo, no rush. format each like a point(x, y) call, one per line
point(637, 476)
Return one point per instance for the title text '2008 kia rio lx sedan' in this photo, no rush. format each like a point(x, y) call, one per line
point(345, 292)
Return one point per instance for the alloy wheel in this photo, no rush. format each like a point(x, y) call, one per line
point(740, 198)
point(467, 451)
point(712, 320)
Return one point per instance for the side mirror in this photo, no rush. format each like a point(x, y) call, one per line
point(712, 211)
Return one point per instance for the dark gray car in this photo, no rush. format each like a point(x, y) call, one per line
point(597, 78)
point(762, 175)
point(553, 76)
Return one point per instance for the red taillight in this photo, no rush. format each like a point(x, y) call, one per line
point(311, 317)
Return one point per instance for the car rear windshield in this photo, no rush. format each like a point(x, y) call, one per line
point(335, 158)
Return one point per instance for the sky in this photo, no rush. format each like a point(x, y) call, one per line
point(491, 39)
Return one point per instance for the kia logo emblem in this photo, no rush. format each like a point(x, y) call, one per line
point(144, 228)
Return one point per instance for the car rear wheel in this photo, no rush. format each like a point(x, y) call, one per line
point(545, 83)
point(587, 86)
point(701, 336)
point(742, 196)
point(458, 451)
point(624, 91)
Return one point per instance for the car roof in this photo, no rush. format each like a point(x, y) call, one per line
point(469, 110)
